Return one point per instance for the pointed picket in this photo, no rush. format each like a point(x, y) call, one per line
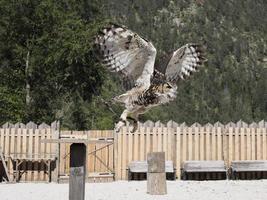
point(31, 125)
point(262, 124)
point(159, 124)
point(218, 124)
point(149, 123)
point(241, 123)
point(43, 126)
point(230, 124)
point(253, 125)
point(172, 124)
point(5, 125)
point(196, 125)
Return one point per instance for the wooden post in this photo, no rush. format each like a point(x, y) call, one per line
point(77, 171)
point(156, 176)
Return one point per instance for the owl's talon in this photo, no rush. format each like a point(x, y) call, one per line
point(119, 125)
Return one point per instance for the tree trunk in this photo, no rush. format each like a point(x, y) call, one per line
point(28, 75)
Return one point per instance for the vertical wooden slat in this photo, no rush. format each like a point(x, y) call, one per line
point(136, 145)
point(236, 143)
point(148, 143)
point(19, 142)
point(124, 153)
point(208, 149)
point(259, 144)
point(42, 152)
point(202, 155)
point(154, 139)
point(242, 144)
point(130, 146)
point(12, 150)
point(219, 144)
point(24, 154)
point(111, 150)
point(55, 150)
point(264, 157)
point(115, 152)
point(106, 151)
point(214, 146)
point(178, 152)
point(90, 158)
point(165, 141)
point(230, 146)
point(160, 139)
point(253, 144)
point(2, 138)
point(184, 144)
point(7, 142)
point(142, 143)
point(97, 153)
point(36, 152)
point(119, 154)
point(248, 145)
point(12, 140)
point(196, 143)
point(171, 144)
point(30, 154)
point(48, 152)
point(190, 145)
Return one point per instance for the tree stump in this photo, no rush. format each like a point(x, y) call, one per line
point(77, 171)
point(156, 175)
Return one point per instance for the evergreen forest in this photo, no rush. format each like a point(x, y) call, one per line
point(48, 70)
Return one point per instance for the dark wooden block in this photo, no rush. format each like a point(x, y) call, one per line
point(77, 171)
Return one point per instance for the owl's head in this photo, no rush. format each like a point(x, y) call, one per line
point(166, 92)
point(166, 88)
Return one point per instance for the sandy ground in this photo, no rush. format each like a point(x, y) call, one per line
point(136, 190)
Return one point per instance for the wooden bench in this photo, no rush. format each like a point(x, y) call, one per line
point(142, 167)
point(197, 166)
point(19, 158)
point(247, 166)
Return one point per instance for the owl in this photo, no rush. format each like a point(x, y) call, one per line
point(132, 58)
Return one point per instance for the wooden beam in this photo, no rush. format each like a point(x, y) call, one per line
point(73, 141)
point(77, 171)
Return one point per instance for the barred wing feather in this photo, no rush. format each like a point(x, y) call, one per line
point(184, 62)
point(126, 53)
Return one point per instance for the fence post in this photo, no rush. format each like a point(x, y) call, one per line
point(77, 171)
point(156, 176)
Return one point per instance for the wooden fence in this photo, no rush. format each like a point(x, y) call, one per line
point(20, 145)
point(100, 166)
point(238, 141)
point(233, 141)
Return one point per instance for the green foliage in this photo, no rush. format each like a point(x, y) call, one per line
point(235, 38)
point(66, 83)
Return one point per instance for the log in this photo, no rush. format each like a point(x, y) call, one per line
point(156, 176)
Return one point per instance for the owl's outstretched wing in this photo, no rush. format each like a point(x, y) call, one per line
point(184, 61)
point(126, 53)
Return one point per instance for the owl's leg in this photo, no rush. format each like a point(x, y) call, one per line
point(122, 121)
point(134, 119)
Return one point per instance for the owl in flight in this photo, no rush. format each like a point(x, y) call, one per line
point(132, 58)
